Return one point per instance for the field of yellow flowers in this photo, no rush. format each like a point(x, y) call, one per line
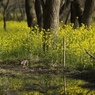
point(19, 41)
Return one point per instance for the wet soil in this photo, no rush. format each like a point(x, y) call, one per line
point(18, 70)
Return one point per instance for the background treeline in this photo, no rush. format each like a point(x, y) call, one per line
point(12, 9)
point(48, 13)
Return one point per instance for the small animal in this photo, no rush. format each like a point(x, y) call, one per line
point(25, 63)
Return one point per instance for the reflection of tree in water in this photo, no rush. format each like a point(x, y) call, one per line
point(90, 86)
point(46, 84)
point(50, 84)
point(25, 80)
point(14, 82)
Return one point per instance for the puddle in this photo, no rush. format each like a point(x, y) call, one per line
point(25, 81)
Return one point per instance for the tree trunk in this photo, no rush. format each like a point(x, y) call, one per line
point(4, 20)
point(65, 10)
point(77, 8)
point(50, 20)
point(73, 13)
point(51, 14)
point(31, 13)
point(4, 14)
point(39, 13)
point(88, 12)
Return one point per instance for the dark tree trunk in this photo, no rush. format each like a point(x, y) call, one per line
point(4, 20)
point(77, 8)
point(31, 13)
point(88, 12)
point(65, 10)
point(51, 14)
point(39, 12)
point(82, 10)
point(73, 13)
point(5, 13)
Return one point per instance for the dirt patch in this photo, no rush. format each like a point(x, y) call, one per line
point(11, 69)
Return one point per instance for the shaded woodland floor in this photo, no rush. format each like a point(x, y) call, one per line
point(39, 72)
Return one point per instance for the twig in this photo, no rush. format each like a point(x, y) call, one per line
point(91, 56)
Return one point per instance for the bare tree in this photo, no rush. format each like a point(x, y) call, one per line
point(5, 6)
point(14, 7)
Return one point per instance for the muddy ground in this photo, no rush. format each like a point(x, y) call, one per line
point(39, 69)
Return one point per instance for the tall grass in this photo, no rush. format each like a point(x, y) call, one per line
point(21, 42)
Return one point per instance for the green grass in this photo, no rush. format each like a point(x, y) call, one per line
point(19, 42)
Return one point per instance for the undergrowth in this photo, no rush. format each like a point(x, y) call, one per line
point(20, 42)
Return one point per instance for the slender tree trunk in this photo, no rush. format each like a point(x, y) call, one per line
point(73, 13)
point(4, 14)
point(88, 12)
point(4, 20)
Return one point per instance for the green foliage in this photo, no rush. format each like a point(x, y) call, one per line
point(20, 42)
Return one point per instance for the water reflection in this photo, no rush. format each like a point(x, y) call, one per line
point(32, 84)
point(65, 92)
point(40, 83)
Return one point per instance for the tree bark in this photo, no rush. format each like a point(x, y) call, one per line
point(88, 12)
point(73, 13)
point(50, 20)
point(31, 13)
point(77, 8)
point(65, 10)
point(4, 14)
point(51, 14)
point(39, 13)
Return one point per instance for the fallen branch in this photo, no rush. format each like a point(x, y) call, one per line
point(91, 56)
